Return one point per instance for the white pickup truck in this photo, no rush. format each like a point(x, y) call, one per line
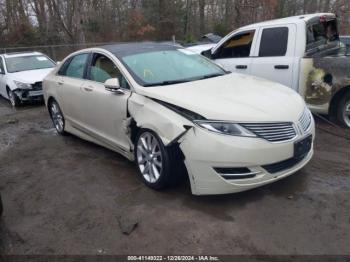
point(302, 52)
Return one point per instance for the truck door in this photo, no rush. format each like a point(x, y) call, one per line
point(234, 54)
point(274, 57)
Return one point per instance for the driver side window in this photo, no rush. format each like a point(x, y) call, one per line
point(102, 68)
point(238, 46)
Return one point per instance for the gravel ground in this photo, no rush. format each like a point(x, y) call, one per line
point(63, 195)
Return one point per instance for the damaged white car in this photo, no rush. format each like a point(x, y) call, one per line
point(165, 108)
point(21, 76)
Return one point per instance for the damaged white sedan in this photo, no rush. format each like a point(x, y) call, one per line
point(169, 110)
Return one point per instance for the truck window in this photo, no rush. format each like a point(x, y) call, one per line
point(321, 33)
point(274, 42)
point(237, 46)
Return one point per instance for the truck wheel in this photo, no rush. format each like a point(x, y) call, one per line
point(14, 100)
point(343, 112)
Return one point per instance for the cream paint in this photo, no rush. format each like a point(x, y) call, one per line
point(233, 97)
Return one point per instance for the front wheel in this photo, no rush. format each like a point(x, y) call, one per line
point(57, 117)
point(343, 112)
point(153, 160)
point(14, 100)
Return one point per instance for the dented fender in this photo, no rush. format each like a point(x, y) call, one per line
point(149, 114)
point(321, 78)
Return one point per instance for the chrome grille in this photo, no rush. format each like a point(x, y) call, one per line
point(305, 120)
point(273, 132)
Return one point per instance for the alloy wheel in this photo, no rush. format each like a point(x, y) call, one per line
point(57, 117)
point(346, 113)
point(149, 157)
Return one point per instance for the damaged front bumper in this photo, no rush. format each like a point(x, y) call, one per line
point(29, 94)
point(211, 159)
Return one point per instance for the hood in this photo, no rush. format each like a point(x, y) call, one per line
point(31, 76)
point(233, 97)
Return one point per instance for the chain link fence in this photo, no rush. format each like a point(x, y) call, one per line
point(56, 52)
point(59, 52)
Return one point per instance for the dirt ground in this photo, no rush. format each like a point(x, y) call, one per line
point(63, 195)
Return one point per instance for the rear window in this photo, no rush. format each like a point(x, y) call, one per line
point(75, 66)
point(321, 33)
point(274, 42)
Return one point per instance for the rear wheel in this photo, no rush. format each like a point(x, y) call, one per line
point(57, 117)
point(154, 161)
point(14, 100)
point(343, 112)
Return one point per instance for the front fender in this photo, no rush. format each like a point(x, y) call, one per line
point(149, 114)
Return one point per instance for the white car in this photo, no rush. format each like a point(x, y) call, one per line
point(165, 107)
point(21, 76)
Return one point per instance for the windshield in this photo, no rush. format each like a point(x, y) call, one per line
point(25, 63)
point(170, 67)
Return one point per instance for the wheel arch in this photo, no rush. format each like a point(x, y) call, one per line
point(336, 99)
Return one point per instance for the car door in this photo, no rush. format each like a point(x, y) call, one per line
point(69, 81)
point(234, 54)
point(106, 111)
point(2, 78)
point(274, 59)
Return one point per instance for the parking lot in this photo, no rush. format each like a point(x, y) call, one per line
point(63, 195)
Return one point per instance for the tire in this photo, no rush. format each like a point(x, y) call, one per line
point(155, 162)
point(14, 100)
point(343, 110)
point(57, 117)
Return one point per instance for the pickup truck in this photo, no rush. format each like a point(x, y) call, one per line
point(302, 52)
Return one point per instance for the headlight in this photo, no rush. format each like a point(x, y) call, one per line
point(225, 128)
point(22, 85)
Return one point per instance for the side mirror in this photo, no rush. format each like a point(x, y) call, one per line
point(112, 85)
point(207, 53)
point(2, 72)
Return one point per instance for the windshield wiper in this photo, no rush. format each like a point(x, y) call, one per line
point(172, 82)
point(212, 75)
point(168, 82)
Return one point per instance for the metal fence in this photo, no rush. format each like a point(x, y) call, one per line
point(56, 52)
point(59, 52)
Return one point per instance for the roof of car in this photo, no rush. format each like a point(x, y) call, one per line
point(120, 50)
point(291, 19)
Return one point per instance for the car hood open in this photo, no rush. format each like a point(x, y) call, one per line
point(233, 97)
point(31, 76)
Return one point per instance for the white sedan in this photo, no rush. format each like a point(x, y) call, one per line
point(169, 109)
point(21, 76)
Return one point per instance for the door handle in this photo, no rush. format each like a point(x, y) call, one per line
point(241, 66)
point(281, 66)
point(60, 83)
point(88, 89)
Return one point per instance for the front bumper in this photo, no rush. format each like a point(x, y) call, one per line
point(206, 150)
point(29, 95)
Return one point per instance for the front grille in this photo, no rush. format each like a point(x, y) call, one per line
point(305, 120)
point(37, 86)
point(283, 165)
point(273, 132)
